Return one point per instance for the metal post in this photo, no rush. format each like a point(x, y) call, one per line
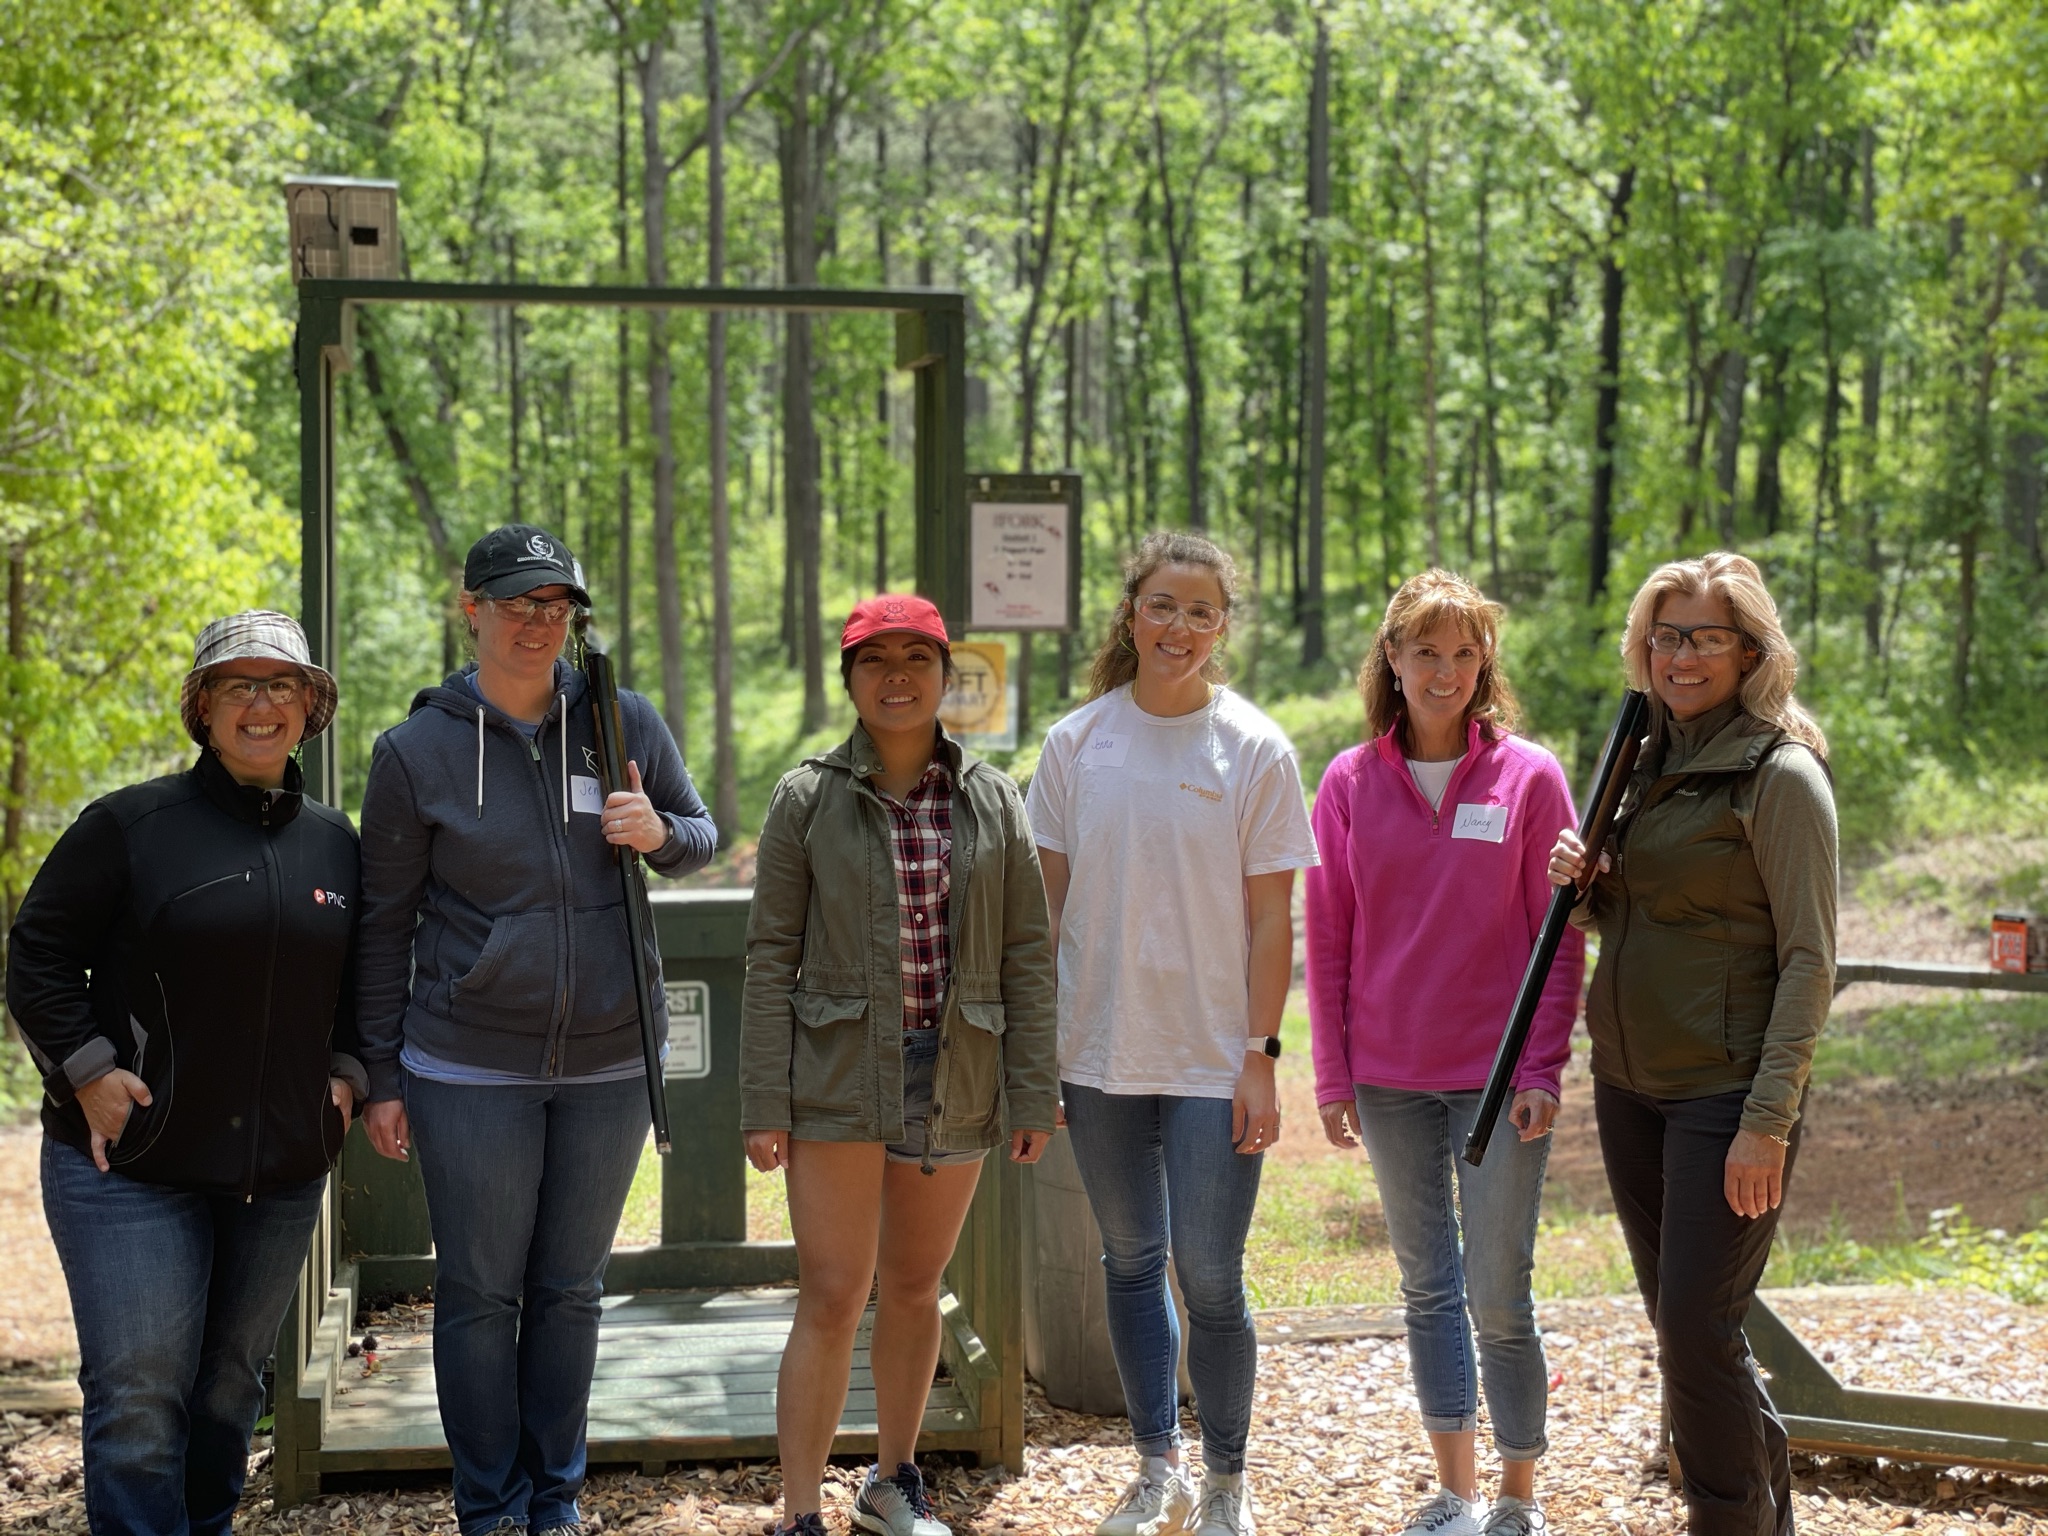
point(319, 340)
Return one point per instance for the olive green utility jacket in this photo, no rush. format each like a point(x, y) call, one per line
point(1717, 921)
point(821, 1052)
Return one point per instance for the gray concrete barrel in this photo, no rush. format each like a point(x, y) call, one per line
point(1066, 1323)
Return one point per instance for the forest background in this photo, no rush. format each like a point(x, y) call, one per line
point(1548, 291)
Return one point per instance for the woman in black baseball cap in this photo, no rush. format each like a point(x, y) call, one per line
point(497, 1016)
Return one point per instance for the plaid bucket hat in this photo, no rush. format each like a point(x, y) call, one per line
point(252, 635)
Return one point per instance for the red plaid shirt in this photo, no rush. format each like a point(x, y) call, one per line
point(921, 844)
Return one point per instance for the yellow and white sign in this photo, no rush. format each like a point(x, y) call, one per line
point(976, 709)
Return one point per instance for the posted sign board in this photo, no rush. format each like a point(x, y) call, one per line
point(1023, 551)
point(978, 709)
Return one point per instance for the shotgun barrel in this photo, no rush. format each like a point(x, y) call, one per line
point(611, 772)
point(1617, 762)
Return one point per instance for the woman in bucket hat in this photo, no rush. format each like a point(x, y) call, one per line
point(498, 1020)
point(899, 1020)
point(181, 973)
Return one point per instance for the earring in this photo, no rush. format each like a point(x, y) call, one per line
point(1397, 682)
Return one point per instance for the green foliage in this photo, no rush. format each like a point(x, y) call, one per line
point(1953, 1251)
point(140, 288)
point(1927, 1042)
point(1832, 345)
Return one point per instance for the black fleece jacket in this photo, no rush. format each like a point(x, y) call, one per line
point(198, 933)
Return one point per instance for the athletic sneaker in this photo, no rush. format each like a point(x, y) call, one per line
point(1157, 1503)
point(812, 1524)
point(1509, 1516)
point(1447, 1515)
point(1226, 1507)
point(896, 1505)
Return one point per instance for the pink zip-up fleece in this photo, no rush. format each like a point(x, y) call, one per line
point(1420, 921)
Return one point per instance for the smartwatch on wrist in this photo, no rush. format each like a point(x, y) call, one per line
point(1264, 1045)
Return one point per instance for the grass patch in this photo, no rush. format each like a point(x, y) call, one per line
point(767, 1205)
point(1953, 1251)
point(1929, 1042)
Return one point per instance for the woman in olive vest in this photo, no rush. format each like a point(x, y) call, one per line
point(1715, 904)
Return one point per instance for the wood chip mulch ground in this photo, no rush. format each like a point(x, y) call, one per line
point(1336, 1445)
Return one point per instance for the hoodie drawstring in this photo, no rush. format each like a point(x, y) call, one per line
point(479, 762)
point(563, 700)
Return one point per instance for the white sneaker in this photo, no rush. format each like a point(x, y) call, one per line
point(1157, 1503)
point(1447, 1515)
point(1226, 1507)
point(1509, 1516)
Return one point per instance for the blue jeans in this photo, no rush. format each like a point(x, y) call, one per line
point(1156, 1166)
point(177, 1295)
point(1414, 1140)
point(525, 1185)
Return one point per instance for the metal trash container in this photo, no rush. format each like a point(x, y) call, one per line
point(1066, 1322)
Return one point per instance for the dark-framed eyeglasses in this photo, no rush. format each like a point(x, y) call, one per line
point(1158, 608)
point(241, 691)
point(1706, 639)
point(524, 610)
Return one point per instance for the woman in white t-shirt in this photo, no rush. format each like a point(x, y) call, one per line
point(1169, 819)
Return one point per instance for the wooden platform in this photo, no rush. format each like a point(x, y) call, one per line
point(681, 1375)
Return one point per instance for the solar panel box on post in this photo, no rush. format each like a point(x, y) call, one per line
point(342, 227)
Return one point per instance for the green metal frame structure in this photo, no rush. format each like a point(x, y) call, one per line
point(373, 1235)
point(931, 342)
point(1822, 1414)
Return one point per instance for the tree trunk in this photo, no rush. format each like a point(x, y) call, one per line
point(882, 390)
point(1489, 397)
point(1607, 391)
point(1177, 239)
point(1731, 386)
point(14, 818)
point(1041, 239)
point(1316, 363)
point(668, 586)
point(725, 791)
point(1431, 513)
point(622, 639)
point(1872, 406)
point(800, 463)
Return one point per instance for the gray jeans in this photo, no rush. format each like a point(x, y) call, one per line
point(920, 1056)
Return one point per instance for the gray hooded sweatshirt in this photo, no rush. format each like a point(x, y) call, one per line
point(493, 930)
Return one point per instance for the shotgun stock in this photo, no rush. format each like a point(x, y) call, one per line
point(1617, 762)
point(611, 773)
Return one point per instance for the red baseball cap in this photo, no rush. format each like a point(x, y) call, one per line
point(890, 612)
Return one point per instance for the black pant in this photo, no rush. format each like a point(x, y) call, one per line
point(1697, 1264)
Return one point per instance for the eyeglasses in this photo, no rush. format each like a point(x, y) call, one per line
point(1158, 608)
point(524, 610)
point(1707, 639)
point(241, 691)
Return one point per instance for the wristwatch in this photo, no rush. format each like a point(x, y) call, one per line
point(1265, 1045)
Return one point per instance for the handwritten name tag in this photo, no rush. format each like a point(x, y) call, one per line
point(1105, 750)
point(1486, 823)
point(585, 794)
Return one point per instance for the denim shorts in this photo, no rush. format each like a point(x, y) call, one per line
point(920, 1056)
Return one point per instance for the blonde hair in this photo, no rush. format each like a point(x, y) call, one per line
point(1735, 581)
point(1422, 604)
point(1116, 661)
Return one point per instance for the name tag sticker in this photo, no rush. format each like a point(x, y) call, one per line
point(1485, 823)
point(1105, 750)
point(585, 794)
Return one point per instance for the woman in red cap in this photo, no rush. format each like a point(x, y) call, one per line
point(899, 1021)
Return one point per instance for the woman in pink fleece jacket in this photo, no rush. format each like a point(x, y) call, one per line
point(1435, 834)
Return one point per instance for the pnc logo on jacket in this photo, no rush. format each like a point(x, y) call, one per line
point(330, 899)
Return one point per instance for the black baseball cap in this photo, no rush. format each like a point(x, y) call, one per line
point(513, 560)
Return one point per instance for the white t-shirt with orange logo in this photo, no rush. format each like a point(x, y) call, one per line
point(1161, 819)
